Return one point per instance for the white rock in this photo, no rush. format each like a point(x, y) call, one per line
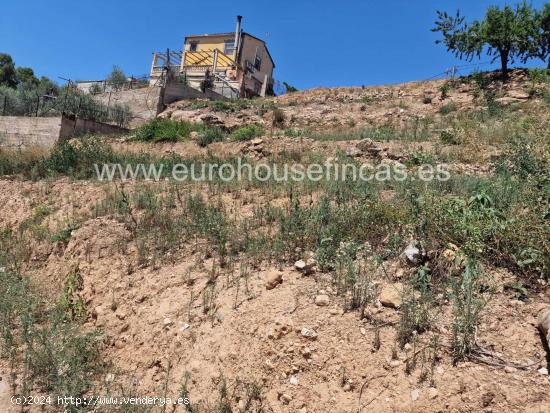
point(543, 371)
point(432, 393)
point(322, 300)
point(308, 333)
point(305, 266)
point(394, 363)
point(544, 324)
point(415, 394)
point(293, 380)
point(286, 398)
point(412, 253)
point(167, 322)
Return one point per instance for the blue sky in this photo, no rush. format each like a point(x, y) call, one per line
point(313, 42)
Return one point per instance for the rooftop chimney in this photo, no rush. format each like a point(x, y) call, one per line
point(237, 36)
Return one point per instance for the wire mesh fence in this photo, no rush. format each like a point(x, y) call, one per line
point(68, 101)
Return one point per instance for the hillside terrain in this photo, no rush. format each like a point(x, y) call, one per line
point(272, 296)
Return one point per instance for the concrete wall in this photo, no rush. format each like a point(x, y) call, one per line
point(177, 91)
point(24, 131)
point(143, 103)
point(79, 127)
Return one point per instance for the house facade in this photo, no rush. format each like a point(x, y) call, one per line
point(233, 64)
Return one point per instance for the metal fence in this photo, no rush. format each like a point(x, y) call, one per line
point(69, 102)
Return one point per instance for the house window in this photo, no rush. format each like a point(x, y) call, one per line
point(229, 47)
point(258, 62)
point(193, 46)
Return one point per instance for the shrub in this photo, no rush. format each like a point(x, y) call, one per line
point(221, 106)
point(158, 130)
point(467, 307)
point(448, 108)
point(209, 135)
point(248, 132)
point(449, 137)
point(279, 117)
point(415, 315)
point(445, 88)
point(95, 88)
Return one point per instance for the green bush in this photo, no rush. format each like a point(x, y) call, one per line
point(209, 135)
point(248, 132)
point(158, 130)
point(445, 88)
point(448, 108)
point(449, 137)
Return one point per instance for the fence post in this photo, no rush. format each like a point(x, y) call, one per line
point(37, 104)
point(77, 114)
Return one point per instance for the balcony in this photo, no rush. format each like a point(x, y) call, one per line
point(201, 60)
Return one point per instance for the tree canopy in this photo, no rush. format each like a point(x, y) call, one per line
point(508, 34)
point(8, 75)
point(13, 77)
point(117, 78)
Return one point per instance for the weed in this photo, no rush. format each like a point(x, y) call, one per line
point(209, 135)
point(467, 307)
point(448, 108)
point(279, 118)
point(159, 129)
point(71, 303)
point(449, 137)
point(416, 314)
point(40, 340)
point(246, 133)
point(64, 234)
point(445, 88)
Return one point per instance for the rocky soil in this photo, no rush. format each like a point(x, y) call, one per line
point(286, 329)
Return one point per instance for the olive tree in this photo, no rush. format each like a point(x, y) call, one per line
point(117, 78)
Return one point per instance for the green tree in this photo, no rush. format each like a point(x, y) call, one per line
point(7, 71)
point(543, 50)
point(508, 34)
point(117, 78)
point(289, 88)
point(26, 76)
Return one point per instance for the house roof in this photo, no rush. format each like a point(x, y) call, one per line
point(227, 34)
point(192, 36)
